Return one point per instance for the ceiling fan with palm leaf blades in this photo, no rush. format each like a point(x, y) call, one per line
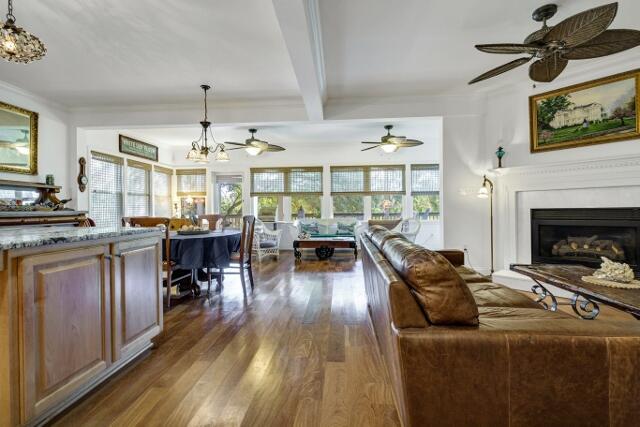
point(254, 146)
point(581, 36)
point(390, 143)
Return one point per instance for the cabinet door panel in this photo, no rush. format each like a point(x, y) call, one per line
point(65, 336)
point(137, 299)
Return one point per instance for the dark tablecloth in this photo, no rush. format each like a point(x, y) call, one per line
point(204, 250)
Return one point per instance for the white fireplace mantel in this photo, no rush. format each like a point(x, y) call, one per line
point(612, 181)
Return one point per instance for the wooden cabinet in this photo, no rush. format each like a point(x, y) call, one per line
point(71, 315)
point(66, 334)
point(137, 304)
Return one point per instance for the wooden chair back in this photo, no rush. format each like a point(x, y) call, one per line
point(154, 221)
point(212, 219)
point(177, 223)
point(246, 240)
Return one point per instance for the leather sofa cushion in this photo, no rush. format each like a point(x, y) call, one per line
point(454, 256)
point(471, 276)
point(440, 291)
point(380, 235)
point(487, 294)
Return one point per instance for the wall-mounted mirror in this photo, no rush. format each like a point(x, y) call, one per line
point(18, 140)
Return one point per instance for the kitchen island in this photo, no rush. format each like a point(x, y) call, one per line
point(76, 305)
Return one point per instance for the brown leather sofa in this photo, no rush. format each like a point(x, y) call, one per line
point(518, 365)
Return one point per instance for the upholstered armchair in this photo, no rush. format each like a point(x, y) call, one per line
point(409, 228)
point(266, 242)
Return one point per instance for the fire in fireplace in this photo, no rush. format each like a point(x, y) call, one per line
point(583, 236)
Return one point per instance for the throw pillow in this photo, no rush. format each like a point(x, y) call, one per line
point(311, 228)
point(439, 289)
point(346, 228)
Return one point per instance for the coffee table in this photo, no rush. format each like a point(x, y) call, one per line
point(324, 246)
point(586, 296)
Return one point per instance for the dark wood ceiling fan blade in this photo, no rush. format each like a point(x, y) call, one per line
point(607, 43)
point(231, 149)
point(274, 148)
point(371, 142)
point(501, 69)
point(547, 69)
point(235, 143)
point(509, 48)
point(584, 26)
point(370, 148)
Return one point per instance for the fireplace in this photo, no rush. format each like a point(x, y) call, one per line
point(582, 236)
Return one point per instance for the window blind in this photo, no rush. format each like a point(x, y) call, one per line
point(105, 183)
point(305, 180)
point(138, 188)
point(162, 191)
point(425, 179)
point(386, 179)
point(367, 180)
point(192, 182)
point(286, 181)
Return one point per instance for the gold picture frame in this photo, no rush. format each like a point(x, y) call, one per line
point(31, 168)
point(558, 121)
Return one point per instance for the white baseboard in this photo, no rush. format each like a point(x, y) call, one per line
point(521, 282)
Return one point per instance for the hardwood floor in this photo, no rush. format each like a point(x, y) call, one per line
point(299, 351)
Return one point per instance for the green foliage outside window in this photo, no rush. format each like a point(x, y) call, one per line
point(267, 207)
point(426, 206)
point(348, 206)
point(383, 204)
point(310, 203)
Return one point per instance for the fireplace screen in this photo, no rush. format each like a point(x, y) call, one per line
point(583, 236)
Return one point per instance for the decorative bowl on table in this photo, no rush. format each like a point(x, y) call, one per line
point(190, 230)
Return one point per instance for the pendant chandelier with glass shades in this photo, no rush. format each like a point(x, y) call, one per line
point(200, 148)
point(16, 44)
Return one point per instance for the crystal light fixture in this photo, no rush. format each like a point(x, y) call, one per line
point(18, 45)
point(200, 148)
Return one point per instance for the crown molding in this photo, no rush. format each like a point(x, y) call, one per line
point(567, 168)
point(33, 97)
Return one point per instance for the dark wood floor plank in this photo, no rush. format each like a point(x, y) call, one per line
point(278, 357)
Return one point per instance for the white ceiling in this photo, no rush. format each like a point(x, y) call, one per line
point(288, 134)
point(117, 52)
point(413, 47)
point(143, 52)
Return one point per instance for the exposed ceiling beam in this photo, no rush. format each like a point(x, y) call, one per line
point(300, 25)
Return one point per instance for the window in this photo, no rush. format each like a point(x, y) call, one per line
point(138, 188)
point(386, 206)
point(308, 205)
point(348, 206)
point(346, 179)
point(367, 180)
point(387, 179)
point(162, 191)
point(268, 208)
point(229, 199)
point(425, 189)
point(105, 181)
point(192, 189)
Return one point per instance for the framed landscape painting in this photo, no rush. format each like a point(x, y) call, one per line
point(595, 112)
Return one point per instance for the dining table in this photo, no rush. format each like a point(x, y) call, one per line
point(204, 251)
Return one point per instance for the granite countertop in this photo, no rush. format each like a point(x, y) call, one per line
point(13, 214)
point(17, 238)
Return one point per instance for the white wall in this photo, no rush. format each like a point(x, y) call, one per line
point(106, 141)
point(507, 119)
point(53, 137)
point(507, 124)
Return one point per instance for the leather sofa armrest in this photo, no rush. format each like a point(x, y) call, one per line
point(454, 256)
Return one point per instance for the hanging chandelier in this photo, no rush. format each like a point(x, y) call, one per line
point(18, 45)
point(200, 148)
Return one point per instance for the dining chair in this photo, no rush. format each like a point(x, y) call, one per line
point(177, 223)
point(214, 220)
point(241, 260)
point(169, 268)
